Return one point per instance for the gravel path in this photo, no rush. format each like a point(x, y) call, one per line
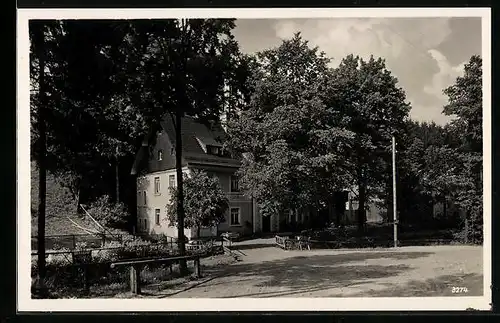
point(267, 271)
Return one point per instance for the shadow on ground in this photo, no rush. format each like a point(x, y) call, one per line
point(439, 286)
point(252, 246)
point(305, 274)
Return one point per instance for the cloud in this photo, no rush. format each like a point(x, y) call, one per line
point(447, 74)
point(409, 46)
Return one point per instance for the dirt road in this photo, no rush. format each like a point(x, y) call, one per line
point(267, 271)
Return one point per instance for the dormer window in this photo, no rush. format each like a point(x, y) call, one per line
point(211, 146)
point(214, 150)
point(160, 155)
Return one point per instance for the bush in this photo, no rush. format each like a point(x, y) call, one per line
point(113, 215)
point(64, 277)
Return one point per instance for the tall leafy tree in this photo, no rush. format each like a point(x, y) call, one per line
point(82, 129)
point(182, 67)
point(465, 103)
point(38, 45)
point(421, 140)
point(292, 140)
point(205, 202)
point(375, 109)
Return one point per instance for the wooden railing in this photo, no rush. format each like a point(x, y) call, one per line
point(136, 266)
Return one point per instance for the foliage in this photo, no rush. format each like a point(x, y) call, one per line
point(465, 102)
point(375, 109)
point(79, 89)
point(59, 199)
point(443, 165)
point(107, 92)
point(292, 140)
point(109, 214)
point(205, 202)
point(416, 195)
point(62, 275)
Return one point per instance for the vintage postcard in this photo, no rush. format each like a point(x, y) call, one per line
point(254, 159)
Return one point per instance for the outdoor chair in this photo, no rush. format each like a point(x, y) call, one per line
point(304, 242)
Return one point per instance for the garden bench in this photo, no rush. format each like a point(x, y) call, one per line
point(229, 237)
point(281, 242)
point(287, 243)
point(304, 242)
point(136, 265)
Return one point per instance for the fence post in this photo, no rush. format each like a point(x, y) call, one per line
point(197, 271)
point(135, 279)
point(86, 286)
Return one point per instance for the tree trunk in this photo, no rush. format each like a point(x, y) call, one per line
point(78, 201)
point(361, 209)
point(445, 208)
point(117, 177)
point(339, 209)
point(338, 217)
point(330, 210)
point(178, 147)
point(466, 228)
point(198, 232)
point(42, 167)
point(180, 191)
point(361, 202)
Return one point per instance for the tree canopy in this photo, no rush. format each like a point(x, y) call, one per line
point(291, 139)
point(205, 202)
point(107, 92)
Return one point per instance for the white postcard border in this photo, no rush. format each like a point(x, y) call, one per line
point(24, 301)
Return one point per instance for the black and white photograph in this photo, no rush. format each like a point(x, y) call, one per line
point(260, 159)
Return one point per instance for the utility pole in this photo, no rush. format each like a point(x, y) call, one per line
point(394, 207)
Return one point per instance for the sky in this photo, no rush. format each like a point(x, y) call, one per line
point(425, 54)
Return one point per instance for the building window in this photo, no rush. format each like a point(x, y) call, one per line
point(160, 155)
point(235, 216)
point(235, 187)
point(172, 151)
point(171, 180)
point(145, 225)
point(157, 185)
point(144, 198)
point(139, 198)
point(157, 216)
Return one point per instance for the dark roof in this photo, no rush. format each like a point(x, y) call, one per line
point(192, 151)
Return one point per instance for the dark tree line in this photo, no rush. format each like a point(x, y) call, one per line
point(310, 130)
point(99, 87)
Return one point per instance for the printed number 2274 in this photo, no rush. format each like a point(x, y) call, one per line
point(459, 290)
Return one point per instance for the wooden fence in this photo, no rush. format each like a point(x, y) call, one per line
point(70, 241)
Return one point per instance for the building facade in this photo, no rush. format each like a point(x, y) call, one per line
point(202, 150)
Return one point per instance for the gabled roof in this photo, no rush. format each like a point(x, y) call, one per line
point(194, 135)
point(192, 129)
